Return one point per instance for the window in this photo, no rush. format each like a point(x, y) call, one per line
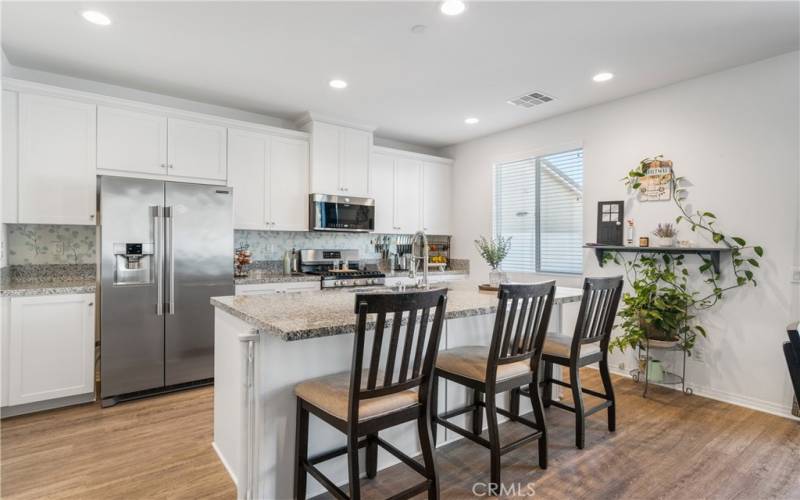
point(538, 204)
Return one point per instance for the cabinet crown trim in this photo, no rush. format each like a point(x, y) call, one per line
point(26, 86)
point(410, 154)
point(316, 117)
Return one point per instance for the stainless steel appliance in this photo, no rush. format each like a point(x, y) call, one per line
point(165, 250)
point(341, 213)
point(339, 268)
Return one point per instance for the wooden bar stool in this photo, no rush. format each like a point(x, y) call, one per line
point(512, 360)
point(588, 344)
point(395, 388)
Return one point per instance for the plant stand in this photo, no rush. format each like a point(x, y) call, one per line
point(643, 354)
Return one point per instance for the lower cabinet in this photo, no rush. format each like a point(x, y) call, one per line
point(48, 348)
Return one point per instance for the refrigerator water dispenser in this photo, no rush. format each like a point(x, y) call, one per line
point(134, 263)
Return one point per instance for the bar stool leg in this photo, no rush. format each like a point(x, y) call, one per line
point(548, 386)
point(494, 440)
point(477, 413)
point(513, 403)
point(352, 465)
point(538, 411)
point(609, 389)
point(300, 451)
point(371, 456)
point(427, 444)
point(577, 397)
point(434, 405)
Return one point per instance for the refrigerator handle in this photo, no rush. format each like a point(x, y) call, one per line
point(158, 236)
point(168, 214)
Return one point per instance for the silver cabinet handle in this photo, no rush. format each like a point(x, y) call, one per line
point(169, 214)
point(163, 165)
point(91, 216)
point(171, 165)
point(90, 304)
point(158, 232)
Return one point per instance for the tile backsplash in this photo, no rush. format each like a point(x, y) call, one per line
point(51, 244)
point(271, 245)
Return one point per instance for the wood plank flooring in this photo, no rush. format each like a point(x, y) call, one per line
point(666, 446)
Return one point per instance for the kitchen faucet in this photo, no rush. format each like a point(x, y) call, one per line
point(412, 273)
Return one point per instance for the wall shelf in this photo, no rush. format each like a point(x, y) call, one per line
point(712, 253)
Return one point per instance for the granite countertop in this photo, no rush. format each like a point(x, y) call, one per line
point(48, 287)
point(303, 315)
point(263, 277)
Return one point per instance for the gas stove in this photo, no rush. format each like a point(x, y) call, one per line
point(338, 269)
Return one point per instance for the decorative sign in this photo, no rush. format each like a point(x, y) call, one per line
point(656, 185)
point(609, 222)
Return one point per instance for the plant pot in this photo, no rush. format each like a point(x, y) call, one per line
point(659, 241)
point(657, 338)
point(497, 277)
point(655, 371)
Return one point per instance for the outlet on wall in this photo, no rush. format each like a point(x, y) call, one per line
point(59, 247)
point(621, 365)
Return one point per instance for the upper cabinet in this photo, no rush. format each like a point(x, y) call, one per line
point(196, 150)
point(340, 158)
point(436, 188)
point(57, 161)
point(9, 167)
point(269, 176)
point(411, 191)
point(140, 143)
point(131, 141)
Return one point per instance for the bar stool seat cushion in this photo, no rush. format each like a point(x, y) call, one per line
point(560, 345)
point(330, 394)
point(470, 362)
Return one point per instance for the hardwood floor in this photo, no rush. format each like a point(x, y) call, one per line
point(666, 446)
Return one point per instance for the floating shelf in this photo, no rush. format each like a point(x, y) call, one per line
point(713, 253)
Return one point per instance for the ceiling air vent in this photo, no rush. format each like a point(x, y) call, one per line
point(530, 100)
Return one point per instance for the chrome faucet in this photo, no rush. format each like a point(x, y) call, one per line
point(412, 273)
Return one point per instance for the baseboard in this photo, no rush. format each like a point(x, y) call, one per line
point(727, 397)
point(50, 404)
point(225, 464)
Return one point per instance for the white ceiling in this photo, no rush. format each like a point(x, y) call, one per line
point(276, 58)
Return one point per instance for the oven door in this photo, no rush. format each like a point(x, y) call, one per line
point(341, 213)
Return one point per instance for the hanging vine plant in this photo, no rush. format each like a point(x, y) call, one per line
point(664, 305)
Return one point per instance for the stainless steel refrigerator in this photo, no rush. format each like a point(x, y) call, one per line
point(166, 248)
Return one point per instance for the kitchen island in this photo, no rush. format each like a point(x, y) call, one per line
point(266, 344)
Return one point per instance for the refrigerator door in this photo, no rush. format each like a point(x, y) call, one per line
point(199, 262)
point(131, 331)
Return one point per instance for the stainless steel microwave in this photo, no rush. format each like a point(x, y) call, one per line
point(329, 212)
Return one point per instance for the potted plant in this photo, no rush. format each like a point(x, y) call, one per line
point(494, 251)
point(664, 235)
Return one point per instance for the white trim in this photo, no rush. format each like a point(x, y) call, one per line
point(100, 99)
point(543, 151)
point(384, 150)
point(311, 116)
point(727, 397)
point(225, 464)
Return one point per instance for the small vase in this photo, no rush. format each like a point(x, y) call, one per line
point(659, 241)
point(495, 277)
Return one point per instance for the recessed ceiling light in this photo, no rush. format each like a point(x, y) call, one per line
point(471, 120)
point(338, 84)
point(603, 77)
point(452, 7)
point(95, 17)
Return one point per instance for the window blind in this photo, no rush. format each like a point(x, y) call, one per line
point(538, 204)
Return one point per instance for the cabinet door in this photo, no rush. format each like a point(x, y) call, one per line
point(381, 179)
point(196, 150)
point(131, 141)
point(436, 198)
point(247, 174)
point(356, 148)
point(407, 187)
point(325, 158)
point(51, 347)
point(56, 161)
point(9, 166)
point(288, 184)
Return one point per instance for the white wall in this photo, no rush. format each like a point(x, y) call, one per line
point(735, 135)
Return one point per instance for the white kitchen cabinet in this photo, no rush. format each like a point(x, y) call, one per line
point(395, 186)
point(339, 159)
point(9, 166)
point(288, 184)
point(57, 161)
point(269, 176)
point(436, 186)
point(131, 141)
point(408, 196)
point(50, 347)
point(196, 150)
point(381, 178)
